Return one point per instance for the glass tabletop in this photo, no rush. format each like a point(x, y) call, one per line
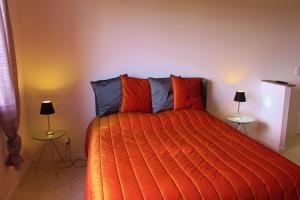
point(243, 119)
point(43, 136)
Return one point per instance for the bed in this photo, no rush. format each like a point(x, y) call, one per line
point(184, 154)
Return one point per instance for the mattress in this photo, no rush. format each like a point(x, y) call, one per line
point(186, 154)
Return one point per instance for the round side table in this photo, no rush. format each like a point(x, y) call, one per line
point(241, 121)
point(49, 140)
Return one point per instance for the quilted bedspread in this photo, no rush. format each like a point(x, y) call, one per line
point(186, 154)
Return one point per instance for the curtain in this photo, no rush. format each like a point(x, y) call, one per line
point(9, 91)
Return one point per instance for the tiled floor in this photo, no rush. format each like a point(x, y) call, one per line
point(42, 184)
point(69, 185)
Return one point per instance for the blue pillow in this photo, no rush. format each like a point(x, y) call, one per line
point(107, 95)
point(161, 94)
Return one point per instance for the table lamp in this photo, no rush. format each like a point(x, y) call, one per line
point(47, 109)
point(239, 97)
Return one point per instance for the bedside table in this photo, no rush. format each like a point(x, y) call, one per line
point(241, 121)
point(49, 140)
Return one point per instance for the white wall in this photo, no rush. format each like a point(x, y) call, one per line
point(235, 44)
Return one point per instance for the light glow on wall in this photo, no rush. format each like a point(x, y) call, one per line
point(234, 77)
point(50, 77)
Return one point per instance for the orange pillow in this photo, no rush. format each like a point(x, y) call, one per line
point(136, 95)
point(186, 93)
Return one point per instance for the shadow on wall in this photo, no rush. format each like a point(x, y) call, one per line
point(261, 127)
point(294, 110)
point(212, 106)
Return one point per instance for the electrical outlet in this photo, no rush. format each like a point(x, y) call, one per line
point(297, 71)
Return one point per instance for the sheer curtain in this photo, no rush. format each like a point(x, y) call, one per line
point(9, 92)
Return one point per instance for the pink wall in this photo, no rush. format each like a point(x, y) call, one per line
point(63, 44)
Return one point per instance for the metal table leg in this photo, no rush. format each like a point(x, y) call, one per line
point(245, 129)
point(58, 152)
point(41, 154)
point(238, 126)
point(53, 160)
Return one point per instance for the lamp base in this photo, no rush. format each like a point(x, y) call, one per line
point(237, 116)
point(49, 132)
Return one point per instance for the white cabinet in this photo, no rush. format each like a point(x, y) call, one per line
point(274, 114)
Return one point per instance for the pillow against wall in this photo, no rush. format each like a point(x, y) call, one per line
point(136, 95)
point(161, 94)
point(107, 95)
point(186, 93)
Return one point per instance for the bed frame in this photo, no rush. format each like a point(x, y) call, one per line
point(204, 92)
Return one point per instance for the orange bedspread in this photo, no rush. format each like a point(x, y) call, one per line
point(184, 154)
